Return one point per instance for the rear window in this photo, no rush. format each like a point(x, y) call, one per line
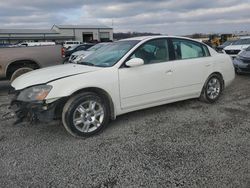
point(187, 49)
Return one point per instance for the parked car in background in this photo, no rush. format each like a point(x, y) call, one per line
point(125, 76)
point(242, 61)
point(225, 44)
point(4, 45)
point(19, 60)
point(67, 52)
point(68, 44)
point(25, 44)
point(79, 55)
point(239, 45)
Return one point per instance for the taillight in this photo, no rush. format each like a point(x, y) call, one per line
point(63, 51)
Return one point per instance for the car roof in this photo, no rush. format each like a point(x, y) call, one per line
point(142, 38)
point(245, 37)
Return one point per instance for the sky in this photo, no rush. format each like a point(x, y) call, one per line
point(178, 17)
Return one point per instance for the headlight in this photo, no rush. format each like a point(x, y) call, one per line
point(35, 93)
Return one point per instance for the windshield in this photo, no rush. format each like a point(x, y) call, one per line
point(96, 47)
point(110, 55)
point(242, 42)
point(227, 43)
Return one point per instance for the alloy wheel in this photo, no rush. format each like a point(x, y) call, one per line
point(213, 88)
point(88, 116)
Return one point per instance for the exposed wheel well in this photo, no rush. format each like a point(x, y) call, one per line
point(100, 92)
point(12, 67)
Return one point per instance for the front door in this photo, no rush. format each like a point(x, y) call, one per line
point(148, 83)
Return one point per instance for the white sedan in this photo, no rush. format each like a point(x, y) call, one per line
point(127, 75)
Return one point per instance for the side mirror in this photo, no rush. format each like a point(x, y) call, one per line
point(134, 62)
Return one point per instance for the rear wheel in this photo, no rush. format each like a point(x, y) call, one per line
point(212, 89)
point(85, 114)
point(19, 72)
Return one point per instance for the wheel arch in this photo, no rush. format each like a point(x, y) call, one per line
point(213, 73)
point(101, 93)
point(203, 95)
point(14, 65)
point(220, 75)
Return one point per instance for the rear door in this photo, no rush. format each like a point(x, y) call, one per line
point(191, 66)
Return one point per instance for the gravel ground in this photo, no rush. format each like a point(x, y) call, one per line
point(185, 144)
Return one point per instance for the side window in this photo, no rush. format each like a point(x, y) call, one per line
point(154, 51)
point(185, 49)
point(207, 53)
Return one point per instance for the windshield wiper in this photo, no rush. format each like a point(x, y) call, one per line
point(86, 63)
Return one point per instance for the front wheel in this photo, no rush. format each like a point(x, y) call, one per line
point(212, 89)
point(85, 114)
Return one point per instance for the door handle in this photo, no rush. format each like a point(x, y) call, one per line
point(208, 65)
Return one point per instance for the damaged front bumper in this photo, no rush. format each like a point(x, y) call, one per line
point(32, 111)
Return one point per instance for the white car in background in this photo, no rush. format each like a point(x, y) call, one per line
point(127, 75)
point(69, 44)
point(36, 44)
point(79, 55)
point(234, 49)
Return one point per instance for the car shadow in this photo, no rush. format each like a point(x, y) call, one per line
point(135, 115)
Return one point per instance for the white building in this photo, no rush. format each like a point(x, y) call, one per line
point(85, 33)
point(58, 33)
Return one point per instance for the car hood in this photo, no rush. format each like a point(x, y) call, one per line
point(45, 75)
point(236, 47)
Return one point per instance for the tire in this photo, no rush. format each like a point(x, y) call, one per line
point(212, 89)
point(19, 72)
point(85, 114)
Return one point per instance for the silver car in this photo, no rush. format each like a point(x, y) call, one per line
point(242, 61)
